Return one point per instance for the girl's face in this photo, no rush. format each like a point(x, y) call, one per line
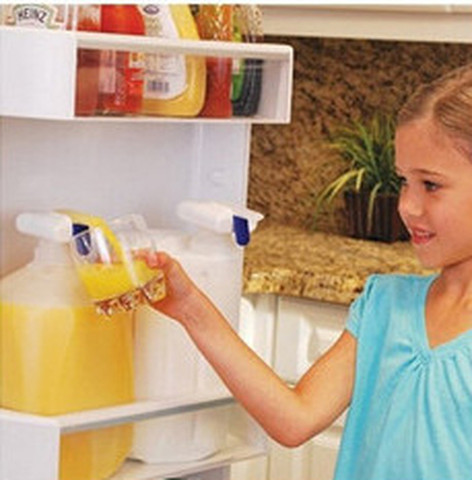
point(436, 195)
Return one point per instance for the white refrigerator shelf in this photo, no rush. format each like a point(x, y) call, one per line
point(38, 68)
point(40, 437)
point(135, 470)
point(119, 414)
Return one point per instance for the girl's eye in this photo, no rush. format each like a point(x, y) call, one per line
point(430, 186)
point(402, 180)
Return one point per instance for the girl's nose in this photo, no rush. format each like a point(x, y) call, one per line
point(410, 204)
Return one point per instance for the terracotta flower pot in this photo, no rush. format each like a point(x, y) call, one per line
point(387, 225)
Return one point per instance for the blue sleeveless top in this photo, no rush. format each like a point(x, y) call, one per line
point(411, 413)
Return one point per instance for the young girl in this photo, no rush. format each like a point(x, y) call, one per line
point(404, 362)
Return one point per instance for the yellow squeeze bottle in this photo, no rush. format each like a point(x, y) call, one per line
point(58, 355)
point(174, 85)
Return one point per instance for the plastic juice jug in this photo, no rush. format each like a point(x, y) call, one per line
point(215, 22)
point(174, 85)
point(121, 73)
point(59, 356)
point(248, 84)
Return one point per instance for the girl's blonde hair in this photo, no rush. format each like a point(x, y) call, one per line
point(448, 100)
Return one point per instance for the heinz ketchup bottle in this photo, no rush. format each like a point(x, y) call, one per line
point(121, 73)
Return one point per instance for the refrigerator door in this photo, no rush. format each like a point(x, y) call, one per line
point(52, 159)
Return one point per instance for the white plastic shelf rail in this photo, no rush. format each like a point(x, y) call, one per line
point(40, 437)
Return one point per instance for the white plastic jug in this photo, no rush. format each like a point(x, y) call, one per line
point(167, 364)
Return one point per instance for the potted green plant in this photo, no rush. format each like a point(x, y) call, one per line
point(370, 184)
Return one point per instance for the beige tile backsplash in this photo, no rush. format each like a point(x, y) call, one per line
point(334, 81)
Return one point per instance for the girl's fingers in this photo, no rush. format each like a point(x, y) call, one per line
point(153, 259)
point(156, 259)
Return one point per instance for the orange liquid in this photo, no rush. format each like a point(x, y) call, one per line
point(104, 281)
point(86, 95)
point(63, 359)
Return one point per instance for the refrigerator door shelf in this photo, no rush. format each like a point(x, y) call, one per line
point(27, 440)
point(39, 71)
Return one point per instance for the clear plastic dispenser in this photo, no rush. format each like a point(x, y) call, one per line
point(58, 355)
point(167, 364)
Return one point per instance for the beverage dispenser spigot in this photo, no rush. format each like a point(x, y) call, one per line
point(53, 231)
point(49, 226)
point(221, 218)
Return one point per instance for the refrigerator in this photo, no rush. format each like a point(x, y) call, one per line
point(52, 159)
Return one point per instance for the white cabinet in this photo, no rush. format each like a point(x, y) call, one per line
point(426, 23)
point(305, 330)
point(299, 331)
point(315, 460)
point(109, 166)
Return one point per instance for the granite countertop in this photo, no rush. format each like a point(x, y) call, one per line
point(291, 261)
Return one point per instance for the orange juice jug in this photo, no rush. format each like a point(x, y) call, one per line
point(174, 85)
point(58, 355)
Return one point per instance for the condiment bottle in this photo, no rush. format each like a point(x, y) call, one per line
point(84, 17)
point(215, 22)
point(36, 15)
point(87, 18)
point(248, 84)
point(174, 85)
point(121, 73)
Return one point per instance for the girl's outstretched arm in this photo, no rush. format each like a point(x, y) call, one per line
point(289, 415)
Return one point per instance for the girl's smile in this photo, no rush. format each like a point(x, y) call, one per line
point(420, 236)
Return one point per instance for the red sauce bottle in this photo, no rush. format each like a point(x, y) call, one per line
point(121, 73)
point(88, 62)
point(215, 22)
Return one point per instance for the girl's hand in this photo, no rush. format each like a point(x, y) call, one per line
point(181, 293)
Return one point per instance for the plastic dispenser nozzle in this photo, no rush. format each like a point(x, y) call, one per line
point(221, 218)
point(48, 226)
point(53, 230)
